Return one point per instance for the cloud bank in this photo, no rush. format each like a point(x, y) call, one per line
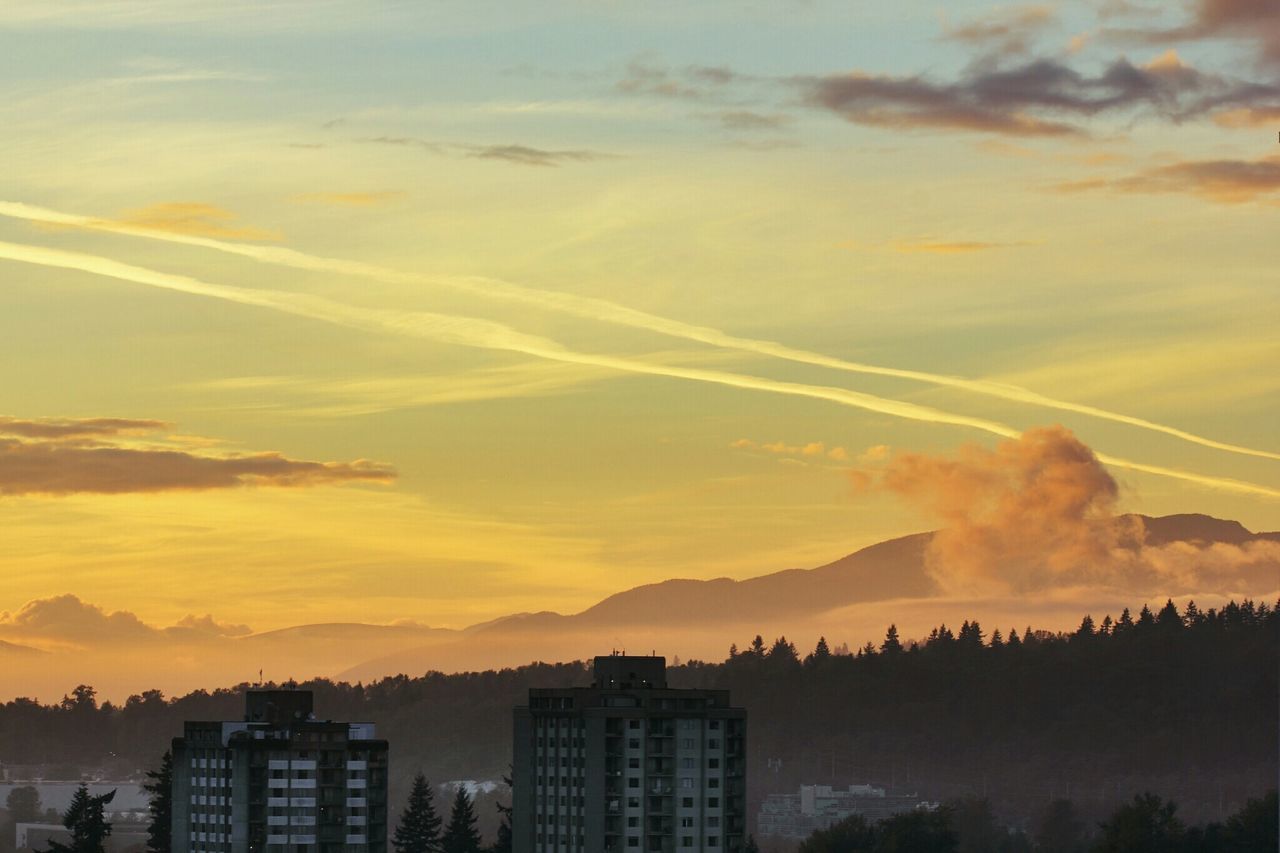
point(99, 456)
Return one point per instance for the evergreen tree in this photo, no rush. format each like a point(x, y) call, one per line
point(1169, 619)
point(160, 789)
point(1014, 642)
point(87, 821)
point(757, 646)
point(1125, 623)
point(1146, 619)
point(1086, 630)
point(461, 835)
point(891, 645)
point(821, 651)
point(783, 651)
point(419, 828)
point(1107, 626)
point(996, 639)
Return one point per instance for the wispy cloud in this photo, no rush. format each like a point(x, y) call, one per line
point(810, 450)
point(1223, 181)
point(605, 311)
point(195, 218)
point(1009, 30)
point(75, 456)
point(522, 155)
point(487, 334)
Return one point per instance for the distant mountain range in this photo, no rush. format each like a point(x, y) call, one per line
point(893, 569)
point(849, 600)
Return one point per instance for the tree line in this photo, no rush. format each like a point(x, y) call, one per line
point(1146, 824)
point(1181, 702)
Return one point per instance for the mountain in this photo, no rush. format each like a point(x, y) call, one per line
point(684, 610)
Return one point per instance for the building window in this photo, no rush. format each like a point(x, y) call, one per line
point(713, 802)
point(686, 803)
point(713, 763)
point(633, 782)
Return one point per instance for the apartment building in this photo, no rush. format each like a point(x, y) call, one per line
point(629, 764)
point(279, 781)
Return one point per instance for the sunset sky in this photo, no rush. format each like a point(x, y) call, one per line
point(375, 311)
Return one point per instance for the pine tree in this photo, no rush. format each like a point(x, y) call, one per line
point(757, 646)
point(1125, 623)
point(822, 650)
point(996, 639)
point(891, 645)
point(461, 836)
point(419, 829)
point(160, 788)
point(87, 821)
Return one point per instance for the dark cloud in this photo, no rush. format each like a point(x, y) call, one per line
point(1226, 181)
point(1006, 31)
point(1043, 97)
point(1252, 20)
point(91, 455)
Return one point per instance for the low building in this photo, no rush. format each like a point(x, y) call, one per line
point(279, 781)
point(815, 807)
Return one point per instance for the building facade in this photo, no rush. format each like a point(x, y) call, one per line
point(279, 781)
point(629, 764)
point(815, 807)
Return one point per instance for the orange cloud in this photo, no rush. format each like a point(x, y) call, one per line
point(813, 449)
point(196, 219)
point(1248, 117)
point(1039, 513)
point(60, 457)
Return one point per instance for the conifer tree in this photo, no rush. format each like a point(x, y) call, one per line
point(87, 821)
point(891, 645)
point(461, 836)
point(419, 829)
point(160, 788)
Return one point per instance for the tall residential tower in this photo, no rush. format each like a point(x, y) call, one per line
point(629, 764)
point(279, 781)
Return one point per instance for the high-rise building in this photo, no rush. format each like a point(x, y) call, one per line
point(279, 781)
point(629, 764)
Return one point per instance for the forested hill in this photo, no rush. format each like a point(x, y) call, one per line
point(1180, 704)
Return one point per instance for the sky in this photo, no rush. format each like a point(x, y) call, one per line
point(430, 313)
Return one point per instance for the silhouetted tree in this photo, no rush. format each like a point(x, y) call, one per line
point(419, 827)
point(460, 835)
point(891, 645)
point(975, 826)
point(1254, 827)
point(1169, 618)
point(23, 804)
point(820, 652)
point(86, 820)
point(160, 789)
point(851, 835)
point(757, 646)
point(917, 832)
point(1059, 829)
point(1146, 825)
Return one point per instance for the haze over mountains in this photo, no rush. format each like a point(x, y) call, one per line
point(850, 600)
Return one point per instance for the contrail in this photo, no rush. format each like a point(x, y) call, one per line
point(486, 334)
point(603, 310)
